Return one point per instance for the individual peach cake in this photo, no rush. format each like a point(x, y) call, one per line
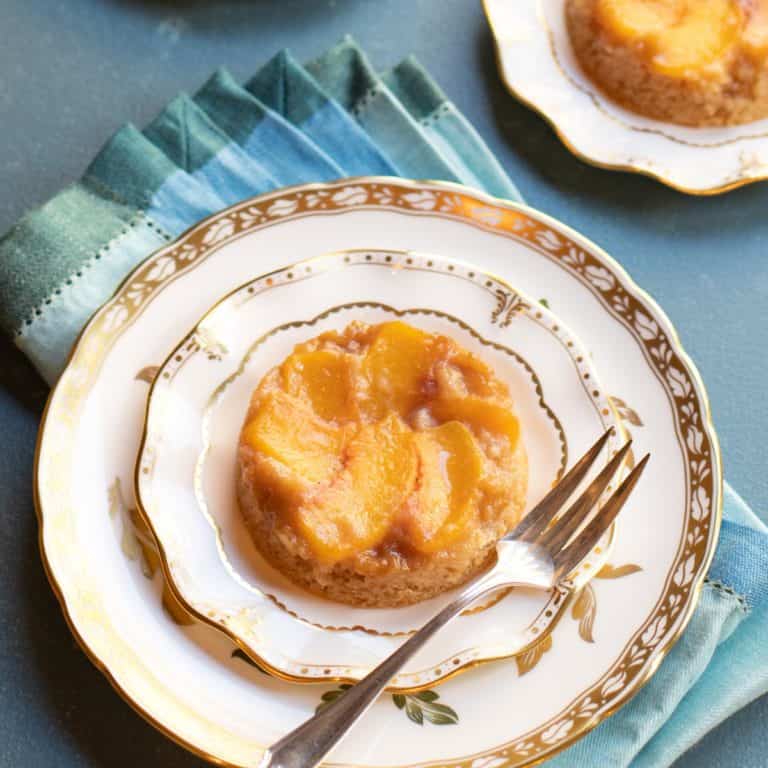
point(693, 62)
point(379, 466)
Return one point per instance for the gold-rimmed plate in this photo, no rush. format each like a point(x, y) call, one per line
point(538, 66)
point(187, 462)
point(193, 682)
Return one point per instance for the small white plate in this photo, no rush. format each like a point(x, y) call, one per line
point(539, 67)
point(186, 470)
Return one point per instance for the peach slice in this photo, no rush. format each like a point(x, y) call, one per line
point(396, 364)
point(756, 32)
point(481, 415)
point(638, 18)
point(706, 32)
point(679, 35)
point(451, 466)
point(356, 510)
point(477, 375)
point(284, 429)
point(324, 379)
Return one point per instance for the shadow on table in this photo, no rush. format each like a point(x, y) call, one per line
point(20, 379)
point(536, 143)
point(225, 16)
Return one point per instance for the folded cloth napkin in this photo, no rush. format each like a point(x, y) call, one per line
point(338, 117)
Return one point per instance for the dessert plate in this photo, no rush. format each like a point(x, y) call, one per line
point(185, 473)
point(538, 66)
point(193, 682)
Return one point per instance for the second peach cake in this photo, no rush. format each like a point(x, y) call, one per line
point(694, 62)
point(378, 466)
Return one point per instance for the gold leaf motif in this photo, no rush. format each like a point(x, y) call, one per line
point(584, 610)
point(528, 660)
point(684, 572)
point(485, 214)
point(694, 439)
point(600, 277)
point(115, 316)
point(609, 571)
point(574, 256)
point(557, 732)
point(424, 200)
point(451, 203)
point(130, 546)
point(492, 761)
point(150, 559)
point(678, 382)
point(646, 326)
point(613, 684)
point(350, 196)
point(700, 503)
point(147, 374)
point(187, 252)
point(626, 412)
point(628, 415)
point(652, 636)
point(218, 230)
point(506, 305)
point(137, 543)
point(283, 207)
point(384, 196)
point(548, 239)
point(162, 267)
point(629, 459)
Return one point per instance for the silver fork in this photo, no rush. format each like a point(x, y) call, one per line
point(539, 552)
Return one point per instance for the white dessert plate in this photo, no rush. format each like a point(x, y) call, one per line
point(185, 473)
point(538, 66)
point(191, 680)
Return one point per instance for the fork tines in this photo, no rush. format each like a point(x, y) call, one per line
point(559, 534)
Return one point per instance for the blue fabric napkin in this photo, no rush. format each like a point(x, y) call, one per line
point(337, 117)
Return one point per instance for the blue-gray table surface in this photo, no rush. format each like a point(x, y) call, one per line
point(72, 72)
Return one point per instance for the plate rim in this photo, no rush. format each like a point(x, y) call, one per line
point(705, 191)
point(566, 591)
point(414, 186)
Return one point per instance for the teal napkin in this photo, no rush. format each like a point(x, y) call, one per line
point(338, 117)
point(286, 87)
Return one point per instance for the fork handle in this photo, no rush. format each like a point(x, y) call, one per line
point(308, 744)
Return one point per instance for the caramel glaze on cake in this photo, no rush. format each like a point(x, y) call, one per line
point(692, 62)
point(379, 466)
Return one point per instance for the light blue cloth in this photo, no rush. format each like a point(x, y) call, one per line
point(719, 664)
point(285, 152)
point(198, 146)
point(290, 125)
point(285, 86)
point(447, 129)
point(345, 73)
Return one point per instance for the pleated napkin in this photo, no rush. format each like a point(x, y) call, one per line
point(333, 117)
